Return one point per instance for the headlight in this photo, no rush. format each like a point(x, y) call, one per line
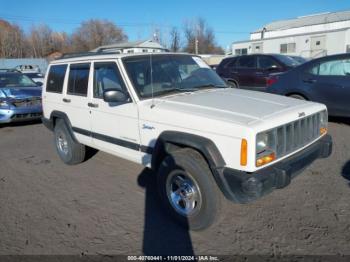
point(4, 104)
point(265, 147)
point(323, 122)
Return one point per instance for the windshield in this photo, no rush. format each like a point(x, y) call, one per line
point(15, 80)
point(170, 74)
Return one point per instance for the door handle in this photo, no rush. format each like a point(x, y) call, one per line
point(92, 105)
point(66, 100)
point(311, 81)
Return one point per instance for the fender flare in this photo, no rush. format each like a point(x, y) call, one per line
point(168, 139)
point(61, 115)
point(204, 145)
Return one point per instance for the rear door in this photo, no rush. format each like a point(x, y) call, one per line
point(76, 101)
point(246, 71)
point(329, 82)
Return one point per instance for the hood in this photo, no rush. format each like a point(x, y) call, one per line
point(21, 92)
point(229, 104)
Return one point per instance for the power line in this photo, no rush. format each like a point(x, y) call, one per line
point(17, 18)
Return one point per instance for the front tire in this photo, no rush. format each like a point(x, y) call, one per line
point(70, 152)
point(187, 189)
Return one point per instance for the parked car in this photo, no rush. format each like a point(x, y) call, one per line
point(38, 78)
point(174, 114)
point(20, 98)
point(8, 70)
point(252, 71)
point(325, 80)
point(28, 68)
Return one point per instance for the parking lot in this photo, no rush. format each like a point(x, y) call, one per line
point(108, 206)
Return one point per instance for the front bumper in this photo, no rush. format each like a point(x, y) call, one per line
point(20, 114)
point(245, 187)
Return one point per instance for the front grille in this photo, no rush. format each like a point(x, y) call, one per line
point(27, 102)
point(294, 135)
point(26, 116)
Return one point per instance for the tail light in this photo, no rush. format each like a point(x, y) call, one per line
point(271, 80)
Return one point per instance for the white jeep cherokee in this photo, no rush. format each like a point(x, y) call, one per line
point(172, 113)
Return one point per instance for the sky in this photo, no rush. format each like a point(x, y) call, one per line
point(230, 20)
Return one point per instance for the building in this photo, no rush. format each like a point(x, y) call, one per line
point(308, 36)
point(145, 46)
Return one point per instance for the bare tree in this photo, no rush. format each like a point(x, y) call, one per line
point(41, 41)
point(201, 37)
point(12, 40)
point(94, 33)
point(175, 39)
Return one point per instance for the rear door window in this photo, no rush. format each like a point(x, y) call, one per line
point(78, 79)
point(55, 78)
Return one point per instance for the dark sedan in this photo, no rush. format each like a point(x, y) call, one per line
point(253, 71)
point(20, 98)
point(325, 80)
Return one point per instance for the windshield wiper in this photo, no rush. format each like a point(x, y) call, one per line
point(209, 86)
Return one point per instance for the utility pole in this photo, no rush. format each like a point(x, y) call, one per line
point(196, 40)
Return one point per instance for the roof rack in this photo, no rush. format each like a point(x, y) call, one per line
point(83, 54)
point(106, 51)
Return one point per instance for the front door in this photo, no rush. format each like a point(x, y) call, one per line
point(245, 71)
point(330, 83)
point(114, 125)
point(265, 66)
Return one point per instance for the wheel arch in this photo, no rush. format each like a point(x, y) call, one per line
point(297, 93)
point(168, 141)
point(173, 140)
point(233, 80)
point(55, 115)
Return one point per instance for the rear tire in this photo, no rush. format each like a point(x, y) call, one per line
point(232, 84)
point(300, 97)
point(70, 152)
point(188, 191)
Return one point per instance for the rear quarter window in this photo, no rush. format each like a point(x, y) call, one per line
point(55, 78)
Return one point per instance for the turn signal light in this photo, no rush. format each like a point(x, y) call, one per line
point(323, 130)
point(265, 159)
point(244, 152)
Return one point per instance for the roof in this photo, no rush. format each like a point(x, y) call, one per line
point(99, 56)
point(123, 45)
point(309, 20)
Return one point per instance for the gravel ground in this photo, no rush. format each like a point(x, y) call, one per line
point(108, 205)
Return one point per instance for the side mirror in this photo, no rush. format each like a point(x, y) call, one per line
point(114, 96)
point(39, 83)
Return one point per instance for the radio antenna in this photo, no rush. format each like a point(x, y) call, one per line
point(151, 67)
